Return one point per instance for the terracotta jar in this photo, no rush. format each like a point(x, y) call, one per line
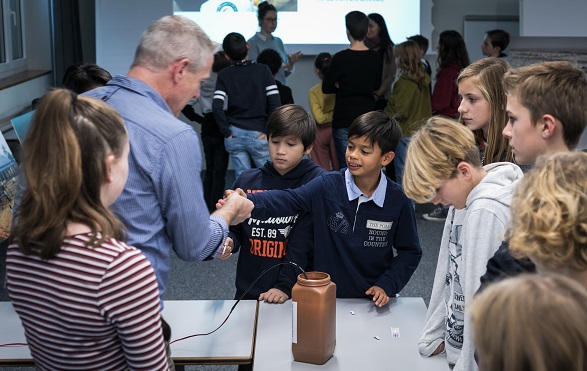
point(313, 318)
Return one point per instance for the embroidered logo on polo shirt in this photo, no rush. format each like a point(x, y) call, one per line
point(338, 223)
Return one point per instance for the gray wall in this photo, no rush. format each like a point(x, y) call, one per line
point(87, 16)
point(119, 26)
point(553, 18)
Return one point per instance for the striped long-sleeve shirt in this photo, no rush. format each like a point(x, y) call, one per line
point(88, 308)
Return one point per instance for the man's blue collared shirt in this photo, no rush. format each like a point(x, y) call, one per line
point(162, 204)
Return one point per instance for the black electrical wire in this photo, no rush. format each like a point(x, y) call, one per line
point(229, 313)
point(14, 345)
point(241, 297)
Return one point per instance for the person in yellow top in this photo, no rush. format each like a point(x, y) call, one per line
point(322, 107)
point(409, 101)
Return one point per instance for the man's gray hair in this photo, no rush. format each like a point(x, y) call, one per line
point(170, 39)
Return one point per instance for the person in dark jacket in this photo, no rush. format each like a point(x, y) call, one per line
point(272, 59)
point(249, 92)
point(266, 242)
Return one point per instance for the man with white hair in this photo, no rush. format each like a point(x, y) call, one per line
point(162, 203)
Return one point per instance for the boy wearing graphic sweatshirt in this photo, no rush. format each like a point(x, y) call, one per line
point(443, 166)
point(269, 241)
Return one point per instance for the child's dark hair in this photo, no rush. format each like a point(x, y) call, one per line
point(292, 120)
point(451, 49)
point(235, 46)
point(80, 78)
point(379, 128)
point(322, 62)
point(357, 24)
point(422, 42)
point(220, 61)
point(263, 8)
point(499, 38)
point(271, 58)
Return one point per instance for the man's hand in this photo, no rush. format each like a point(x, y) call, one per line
point(273, 296)
point(379, 296)
point(234, 208)
point(225, 251)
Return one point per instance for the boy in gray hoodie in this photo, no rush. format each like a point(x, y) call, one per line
point(443, 165)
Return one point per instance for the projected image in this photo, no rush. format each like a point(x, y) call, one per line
point(213, 6)
point(8, 183)
point(304, 25)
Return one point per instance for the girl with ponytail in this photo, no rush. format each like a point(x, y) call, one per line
point(82, 294)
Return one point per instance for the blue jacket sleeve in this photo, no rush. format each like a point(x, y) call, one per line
point(409, 253)
point(284, 202)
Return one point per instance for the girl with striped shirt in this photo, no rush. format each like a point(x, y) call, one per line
point(87, 300)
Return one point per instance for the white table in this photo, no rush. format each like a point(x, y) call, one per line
point(11, 331)
point(356, 346)
point(233, 343)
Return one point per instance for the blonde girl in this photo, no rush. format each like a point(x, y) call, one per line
point(483, 107)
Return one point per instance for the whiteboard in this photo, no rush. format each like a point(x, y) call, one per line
point(475, 27)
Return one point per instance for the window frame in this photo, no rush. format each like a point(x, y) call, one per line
point(12, 66)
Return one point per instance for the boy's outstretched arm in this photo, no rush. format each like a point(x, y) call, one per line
point(234, 209)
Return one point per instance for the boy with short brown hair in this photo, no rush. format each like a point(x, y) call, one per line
point(547, 109)
point(360, 216)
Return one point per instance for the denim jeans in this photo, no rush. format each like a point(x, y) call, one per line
point(341, 139)
point(400, 158)
point(244, 146)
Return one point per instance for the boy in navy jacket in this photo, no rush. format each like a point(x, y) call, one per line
point(360, 216)
point(264, 242)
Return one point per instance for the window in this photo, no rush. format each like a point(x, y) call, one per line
point(12, 50)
